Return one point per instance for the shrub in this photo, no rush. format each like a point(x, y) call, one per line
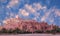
point(38, 31)
point(3, 30)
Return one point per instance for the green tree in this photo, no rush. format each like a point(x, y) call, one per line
point(3, 30)
point(58, 30)
point(17, 31)
point(10, 31)
point(38, 31)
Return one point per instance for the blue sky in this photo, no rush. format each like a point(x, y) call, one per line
point(39, 10)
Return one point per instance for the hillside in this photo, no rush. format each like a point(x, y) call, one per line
point(27, 25)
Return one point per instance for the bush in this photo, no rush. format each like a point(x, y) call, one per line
point(16, 31)
point(3, 30)
point(58, 30)
point(38, 31)
point(51, 31)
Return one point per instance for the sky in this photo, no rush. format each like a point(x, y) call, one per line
point(39, 10)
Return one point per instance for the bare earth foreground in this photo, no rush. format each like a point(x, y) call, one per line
point(32, 35)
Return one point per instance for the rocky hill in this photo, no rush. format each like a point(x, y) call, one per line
point(26, 25)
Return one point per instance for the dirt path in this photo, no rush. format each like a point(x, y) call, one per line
point(31, 35)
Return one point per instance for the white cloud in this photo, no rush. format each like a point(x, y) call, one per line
point(37, 15)
point(46, 15)
point(12, 3)
point(29, 8)
point(54, 10)
point(0, 23)
point(43, 18)
point(37, 6)
point(57, 12)
point(10, 14)
point(32, 9)
point(17, 16)
point(23, 12)
point(4, 22)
